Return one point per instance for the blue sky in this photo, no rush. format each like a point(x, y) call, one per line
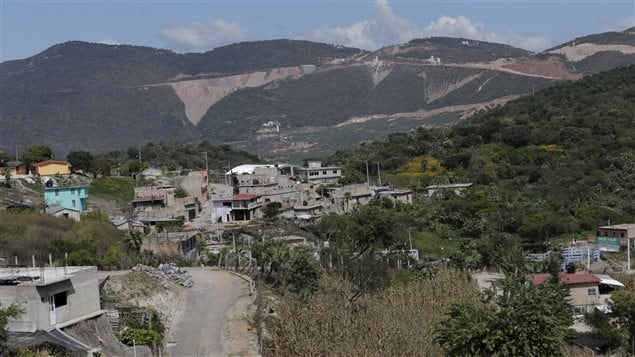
point(29, 27)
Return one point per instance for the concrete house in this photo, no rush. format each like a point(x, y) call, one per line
point(403, 196)
point(459, 189)
point(16, 168)
point(161, 202)
point(316, 173)
point(221, 210)
point(67, 201)
point(246, 206)
point(623, 232)
point(586, 289)
point(51, 297)
point(52, 167)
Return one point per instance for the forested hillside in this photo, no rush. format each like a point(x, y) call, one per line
point(280, 99)
point(558, 162)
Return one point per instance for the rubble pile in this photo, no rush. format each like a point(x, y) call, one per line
point(167, 271)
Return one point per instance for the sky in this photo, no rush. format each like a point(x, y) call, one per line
point(28, 27)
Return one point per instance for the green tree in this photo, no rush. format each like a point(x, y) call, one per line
point(7, 178)
point(622, 306)
point(271, 210)
point(13, 311)
point(37, 153)
point(81, 160)
point(102, 166)
point(134, 240)
point(519, 320)
point(605, 330)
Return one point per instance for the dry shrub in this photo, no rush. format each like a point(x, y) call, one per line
point(397, 321)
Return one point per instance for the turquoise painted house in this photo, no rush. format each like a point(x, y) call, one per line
point(69, 197)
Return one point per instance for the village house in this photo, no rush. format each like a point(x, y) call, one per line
point(621, 232)
point(123, 224)
point(246, 207)
point(161, 202)
point(458, 189)
point(176, 243)
point(66, 201)
point(16, 168)
point(588, 291)
point(403, 196)
point(50, 297)
point(221, 210)
point(52, 167)
point(316, 173)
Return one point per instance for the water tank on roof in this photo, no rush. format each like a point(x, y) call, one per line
point(570, 268)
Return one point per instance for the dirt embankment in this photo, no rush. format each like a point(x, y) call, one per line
point(198, 95)
point(552, 66)
point(141, 289)
point(97, 333)
point(584, 50)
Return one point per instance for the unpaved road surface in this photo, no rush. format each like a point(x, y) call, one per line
point(197, 328)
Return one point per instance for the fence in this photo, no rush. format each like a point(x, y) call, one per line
point(570, 255)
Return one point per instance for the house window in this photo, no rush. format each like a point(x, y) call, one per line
point(324, 172)
point(622, 234)
point(579, 309)
point(592, 291)
point(57, 192)
point(335, 172)
point(61, 299)
point(72, 191)
point(73, 203)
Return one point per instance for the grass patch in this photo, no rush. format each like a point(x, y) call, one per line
point(119, 189)
point(431, 244)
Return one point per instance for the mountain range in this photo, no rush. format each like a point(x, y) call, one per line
point(280, 99)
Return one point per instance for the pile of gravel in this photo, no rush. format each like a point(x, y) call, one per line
point(167, 270)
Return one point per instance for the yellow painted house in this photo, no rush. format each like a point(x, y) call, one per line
point(52, 167)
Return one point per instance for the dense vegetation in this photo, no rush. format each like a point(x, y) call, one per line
point(100, 93)
point(93, 241)
point(331, 97)
point(558, 162)
point(606, 38)
point(84, 96)
point(458, 50)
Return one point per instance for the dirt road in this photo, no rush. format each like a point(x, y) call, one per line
point(198, 326)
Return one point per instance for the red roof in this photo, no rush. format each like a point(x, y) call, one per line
point(244, 197)
point(567, 278)
point(42, 163)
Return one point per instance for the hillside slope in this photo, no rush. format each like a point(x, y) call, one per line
point(558, 162)
point(281, 98)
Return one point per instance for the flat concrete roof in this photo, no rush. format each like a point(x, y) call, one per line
point(452, 185)
point(51, 275)
point(620, 226)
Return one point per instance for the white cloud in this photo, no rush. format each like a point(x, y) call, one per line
point(196, 36)
point(109, 42)
point(387, 28)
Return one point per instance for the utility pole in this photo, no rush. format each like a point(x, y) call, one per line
point(628, 249)
point(206, 167)
point(379, 173)
point(367, 175)
point(139, 148)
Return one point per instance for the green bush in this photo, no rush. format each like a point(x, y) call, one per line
point(138, 336)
